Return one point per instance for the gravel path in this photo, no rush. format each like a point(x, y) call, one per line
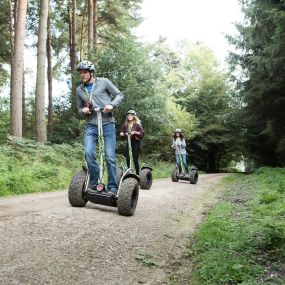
point(46, 241)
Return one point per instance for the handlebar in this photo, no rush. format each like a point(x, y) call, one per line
point(98, 109)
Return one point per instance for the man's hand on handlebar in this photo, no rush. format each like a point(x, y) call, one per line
point(86, 111)
point(89, 109)
point(108, 108)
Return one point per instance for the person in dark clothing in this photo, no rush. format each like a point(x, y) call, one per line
point(133, 127)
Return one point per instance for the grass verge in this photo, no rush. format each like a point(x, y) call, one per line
point(242, 240)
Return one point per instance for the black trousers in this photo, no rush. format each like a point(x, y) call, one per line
point(136, 145)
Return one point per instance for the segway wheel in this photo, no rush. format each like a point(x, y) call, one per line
point(194, 176)
point(146, 178)
point(174, 175)
point(128, 196)
point(76, 190)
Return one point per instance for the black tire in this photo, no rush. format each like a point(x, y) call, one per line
point(76, 190)
point(146, 178)
point(174, 175)
point(120, 173)
point(194, 176)
point(128, 196)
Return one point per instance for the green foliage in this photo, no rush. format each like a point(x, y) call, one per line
point(115, 19)
point(3, 77)
point(5, 44)
point(242, 241)
point(161, 169)
point(221, 257)
point(126, 64)
point(67, 127)
point(193, 77)
point(179, 117)
point(150, 78)
point(27, 167)
point(261, 61)
point(4, 118)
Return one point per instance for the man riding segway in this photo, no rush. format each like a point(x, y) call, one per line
point(96, 98)
point(98, 92)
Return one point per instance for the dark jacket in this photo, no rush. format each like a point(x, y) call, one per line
point(136, 128)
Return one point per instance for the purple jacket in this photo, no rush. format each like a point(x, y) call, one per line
point(137, 128)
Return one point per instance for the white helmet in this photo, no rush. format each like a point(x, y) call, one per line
point(132, 112)
point(85, 65)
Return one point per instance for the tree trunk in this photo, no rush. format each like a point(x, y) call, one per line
point(12, 27)
point(12, 45)
point(49, 75)
point(82, 33)
point(95, 20)
point(17, 71)
point(73, 49)
point(90, 26)
point(24, 127)
point(41, 133)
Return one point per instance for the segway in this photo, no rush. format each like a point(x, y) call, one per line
point(192, 176)
point(128, 191)
point(145, 170)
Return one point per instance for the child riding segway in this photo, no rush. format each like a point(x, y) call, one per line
point(181, 169)
point(134, 132)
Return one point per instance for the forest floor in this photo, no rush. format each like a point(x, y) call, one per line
point(46, 241)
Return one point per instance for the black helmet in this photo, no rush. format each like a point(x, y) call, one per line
point(178, 131)
point(85, 65)
point(132, 112)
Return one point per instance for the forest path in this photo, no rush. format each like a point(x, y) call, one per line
point(46, 241)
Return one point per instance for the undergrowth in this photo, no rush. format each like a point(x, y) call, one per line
point(30, 167)
point(27, 167)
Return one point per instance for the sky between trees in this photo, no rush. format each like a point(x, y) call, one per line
point(207, 21)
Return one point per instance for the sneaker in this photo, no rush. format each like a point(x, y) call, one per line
point(113, 191)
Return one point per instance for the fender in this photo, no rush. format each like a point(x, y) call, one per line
point(145, 166)
point(193, 167)
point(130, 174)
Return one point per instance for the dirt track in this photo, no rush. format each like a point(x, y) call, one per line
point(46, 241)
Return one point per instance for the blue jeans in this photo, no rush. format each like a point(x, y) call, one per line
point(90, 143)
point(184, 162)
